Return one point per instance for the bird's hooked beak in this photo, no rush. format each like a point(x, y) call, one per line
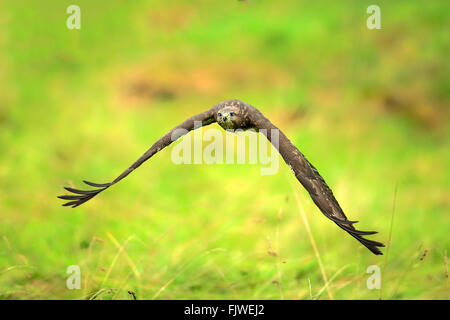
point(224, 116)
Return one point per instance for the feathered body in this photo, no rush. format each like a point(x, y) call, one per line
point(232, 115)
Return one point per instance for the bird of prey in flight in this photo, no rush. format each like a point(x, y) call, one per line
point(235, 114)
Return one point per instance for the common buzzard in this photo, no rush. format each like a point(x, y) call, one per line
point(235, 114)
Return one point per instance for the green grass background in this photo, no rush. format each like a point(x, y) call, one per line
point(369, 108)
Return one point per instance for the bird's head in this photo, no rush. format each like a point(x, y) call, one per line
point(229, 117)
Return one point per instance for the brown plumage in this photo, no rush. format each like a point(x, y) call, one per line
point(235, 114)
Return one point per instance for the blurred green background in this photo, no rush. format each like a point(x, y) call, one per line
point(369, 108)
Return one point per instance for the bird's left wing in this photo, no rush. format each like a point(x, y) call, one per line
point(79, 197)
point(310, 178)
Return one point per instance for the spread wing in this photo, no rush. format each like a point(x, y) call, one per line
point(79, 197)
point(310, 178)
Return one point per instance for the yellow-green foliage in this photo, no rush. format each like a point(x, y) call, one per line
point(369, 108)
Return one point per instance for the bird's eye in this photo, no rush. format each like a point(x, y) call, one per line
point(231, 113)
point(220, 114)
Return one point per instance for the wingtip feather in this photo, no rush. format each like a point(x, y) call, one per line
point(78, 197)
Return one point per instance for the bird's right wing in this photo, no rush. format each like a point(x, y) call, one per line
point(79, 197)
